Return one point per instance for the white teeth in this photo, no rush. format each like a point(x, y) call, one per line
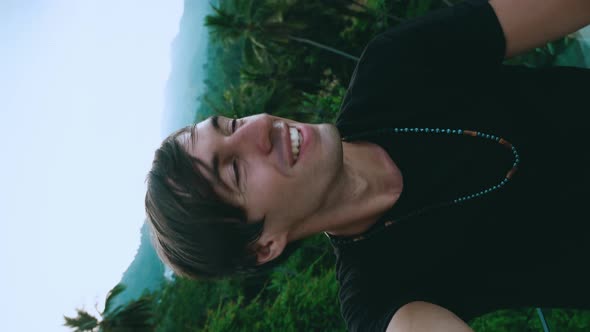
point(295, 141)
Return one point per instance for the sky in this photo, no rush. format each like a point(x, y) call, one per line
point(81, 100)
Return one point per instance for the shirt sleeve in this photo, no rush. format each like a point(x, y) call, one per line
point(459, 43)
point(363, 306)
point(365, 311)
point(466, 37)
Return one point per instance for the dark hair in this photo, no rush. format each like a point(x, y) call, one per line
point(195, 232)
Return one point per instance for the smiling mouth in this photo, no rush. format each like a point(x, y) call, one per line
point(296, 140)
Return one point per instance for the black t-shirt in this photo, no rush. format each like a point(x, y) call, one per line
point(526, 244)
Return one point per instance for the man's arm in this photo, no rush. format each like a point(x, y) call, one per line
point(528, 24)
point(419, 316)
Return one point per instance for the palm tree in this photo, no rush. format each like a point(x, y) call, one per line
point(83, 322)
point(249, 99)
point(346, 8)
point(277, 72)
point(134, 316)
point(261, 26)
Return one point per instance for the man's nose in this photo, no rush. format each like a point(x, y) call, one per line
point(256, 134)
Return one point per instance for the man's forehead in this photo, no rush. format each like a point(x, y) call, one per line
point(187, 136)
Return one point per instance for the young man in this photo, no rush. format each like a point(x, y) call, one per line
point(472, 204)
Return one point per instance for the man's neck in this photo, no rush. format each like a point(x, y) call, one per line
point(369, 185)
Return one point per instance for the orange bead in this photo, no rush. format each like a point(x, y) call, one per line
point(470, 132)
point(511, 172)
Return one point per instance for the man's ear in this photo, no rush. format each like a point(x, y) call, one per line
point(269, 247)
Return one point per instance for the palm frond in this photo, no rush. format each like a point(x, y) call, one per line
point(82, 322)
point(134, 316)
point(118, 289)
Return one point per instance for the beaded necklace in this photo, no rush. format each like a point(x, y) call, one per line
point(383, 225)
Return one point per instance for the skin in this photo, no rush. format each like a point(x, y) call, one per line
point(336, 187)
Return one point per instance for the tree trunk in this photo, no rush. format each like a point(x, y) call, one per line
point(324, 47)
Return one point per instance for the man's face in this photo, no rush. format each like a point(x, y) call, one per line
point(271, 184)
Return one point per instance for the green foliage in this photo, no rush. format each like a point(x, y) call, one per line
point(417, 8)
point(136, 315)
point(221, 71)
point(526, 319)
point(505, 320)
point(182, 304)
point(82, 322)
point(305, 301)
point(238, 304)
point(544, 56)
point(327, 100)
point(568, 320)
point(118, 289)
